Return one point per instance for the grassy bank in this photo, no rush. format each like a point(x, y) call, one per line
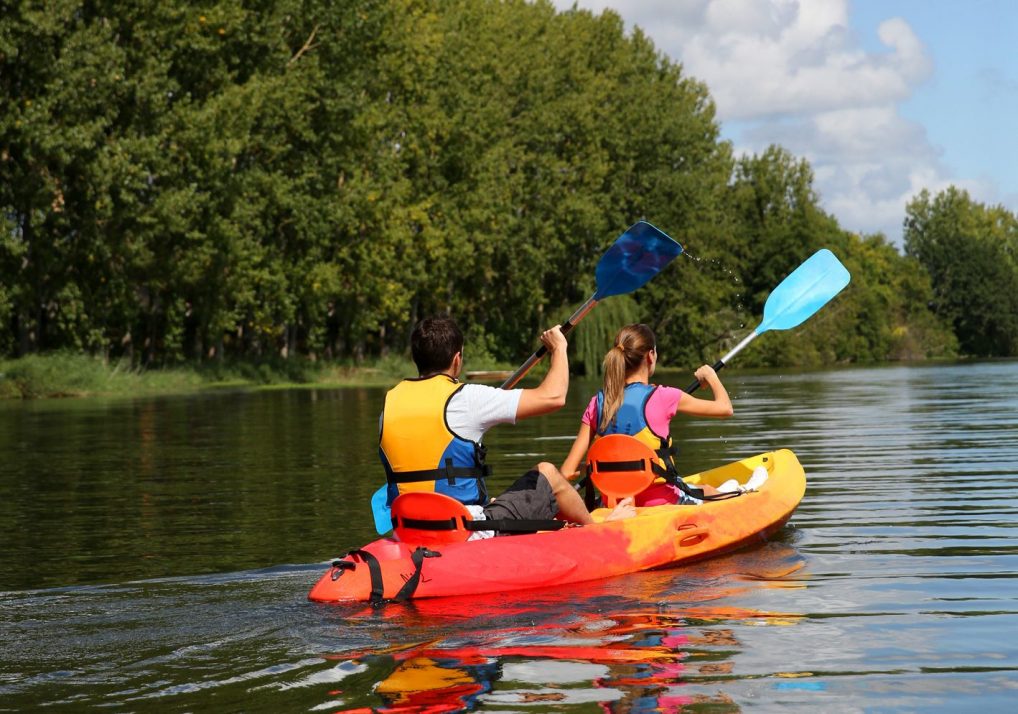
point(74, 375)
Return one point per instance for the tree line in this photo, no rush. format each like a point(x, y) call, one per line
point(191, 181)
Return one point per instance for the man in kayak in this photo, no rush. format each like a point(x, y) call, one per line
point(431, 428)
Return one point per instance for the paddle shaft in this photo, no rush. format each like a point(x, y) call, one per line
point(566, 328)
point(720, 364)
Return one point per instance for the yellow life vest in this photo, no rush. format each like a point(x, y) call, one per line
point(418, 449)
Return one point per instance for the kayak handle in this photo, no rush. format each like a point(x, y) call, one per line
point(691, 534)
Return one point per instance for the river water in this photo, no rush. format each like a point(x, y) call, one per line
point(157, 554)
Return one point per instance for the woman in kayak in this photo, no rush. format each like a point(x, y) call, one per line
point(629, 404)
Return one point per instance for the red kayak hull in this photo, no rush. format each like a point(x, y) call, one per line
point(656, 537)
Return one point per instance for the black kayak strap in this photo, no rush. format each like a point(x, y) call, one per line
point(506, 525)
point(689, 490)
point(511, 525)
point(410, 586)
point(377, 597)
point(669, 475)
point(721, 496)
point(617, 466)
point(374, 570)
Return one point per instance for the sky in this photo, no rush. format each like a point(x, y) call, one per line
point(883, 97)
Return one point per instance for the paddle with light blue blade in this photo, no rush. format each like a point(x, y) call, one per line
point(806, 289)
point(634, 258)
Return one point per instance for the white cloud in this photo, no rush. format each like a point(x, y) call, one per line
point(770, 57)
point(794, 72)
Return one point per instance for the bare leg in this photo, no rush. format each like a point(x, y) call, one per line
point(570, 503)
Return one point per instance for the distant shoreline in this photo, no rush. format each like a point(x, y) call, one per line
point(65, 375)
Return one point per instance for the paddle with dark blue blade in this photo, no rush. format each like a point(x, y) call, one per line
point(636, 256)
point(806, 289)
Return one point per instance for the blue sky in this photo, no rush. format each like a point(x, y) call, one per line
point(883, 97)
point(970, 105)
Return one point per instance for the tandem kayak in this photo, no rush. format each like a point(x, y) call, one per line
point(657, 536)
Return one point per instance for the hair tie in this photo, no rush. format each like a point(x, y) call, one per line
point(621, 348)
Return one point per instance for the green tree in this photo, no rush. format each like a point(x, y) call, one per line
point(194, 181)
point(968, 250)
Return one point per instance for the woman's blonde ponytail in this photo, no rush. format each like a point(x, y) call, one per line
point(614, 384)
point(629, 351)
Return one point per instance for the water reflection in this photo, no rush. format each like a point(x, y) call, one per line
point(648, 641)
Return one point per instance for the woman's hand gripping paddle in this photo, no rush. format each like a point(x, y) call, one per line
point(634, 258)
point(806, 289)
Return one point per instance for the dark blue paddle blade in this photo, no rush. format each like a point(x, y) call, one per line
point(806, 289)
point(637, 256)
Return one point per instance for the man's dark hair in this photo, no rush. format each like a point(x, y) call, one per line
point(433, 344)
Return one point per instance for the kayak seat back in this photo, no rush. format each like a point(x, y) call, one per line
point(429, 518)
point(620, 465)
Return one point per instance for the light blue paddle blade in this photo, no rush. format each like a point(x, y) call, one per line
point(380, 510)
point(636, 256)
point(806, 289)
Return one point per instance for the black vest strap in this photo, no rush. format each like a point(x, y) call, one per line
point(664, 472)
point(449, 473)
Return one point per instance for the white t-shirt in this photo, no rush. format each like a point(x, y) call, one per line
point(477, 407)
point(471, 412)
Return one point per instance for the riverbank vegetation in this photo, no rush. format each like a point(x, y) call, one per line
point(66, 374)
point(297, 182)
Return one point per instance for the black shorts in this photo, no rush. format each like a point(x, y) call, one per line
point(529, 498)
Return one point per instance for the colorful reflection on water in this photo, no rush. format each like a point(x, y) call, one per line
point(652, 641)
